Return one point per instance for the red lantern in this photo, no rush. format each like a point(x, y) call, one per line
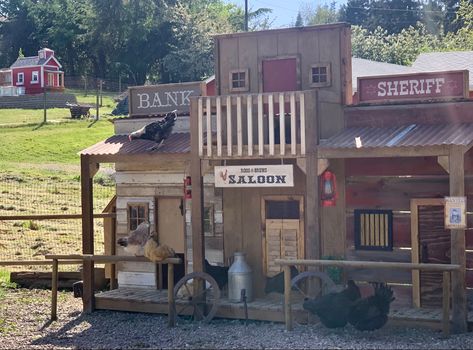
point(188, 188)
point(328, 189)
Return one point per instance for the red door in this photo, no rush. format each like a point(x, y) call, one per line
point(280, 75)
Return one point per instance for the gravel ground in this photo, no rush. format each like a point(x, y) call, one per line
point(24, 323)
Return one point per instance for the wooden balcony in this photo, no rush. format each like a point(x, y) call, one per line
point(265, 125)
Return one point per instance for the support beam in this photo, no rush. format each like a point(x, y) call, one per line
point(444, 163)
point(87, 232)
point(458, 254)
point(197, 195)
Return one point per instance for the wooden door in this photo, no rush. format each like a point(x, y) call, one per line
point(431, 245)
point(283, 232)
point(280, 74)
point(171, 223)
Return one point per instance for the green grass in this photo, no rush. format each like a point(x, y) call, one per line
point(19, 117)
point(108, 104)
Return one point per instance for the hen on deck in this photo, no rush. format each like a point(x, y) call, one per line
point(156, 131)
point(371, 313)
point(333, 308)
point(219, 273)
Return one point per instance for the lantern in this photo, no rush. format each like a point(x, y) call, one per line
point(328, 189)
point(188, 188)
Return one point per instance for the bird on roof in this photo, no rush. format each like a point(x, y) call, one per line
point(157, 131)
point(135, 241)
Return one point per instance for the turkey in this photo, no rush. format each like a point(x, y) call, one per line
point(371, 313)
point(156, 131)
point(276, 283)
point(333, 308)
point(136, 239)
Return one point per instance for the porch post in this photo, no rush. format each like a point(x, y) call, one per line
point(87, 232)
point(312, 220)
point(197, 220)
point(457, 242)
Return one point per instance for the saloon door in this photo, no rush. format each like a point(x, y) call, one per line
point(282, 232)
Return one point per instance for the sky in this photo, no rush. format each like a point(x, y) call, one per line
point(284, 11)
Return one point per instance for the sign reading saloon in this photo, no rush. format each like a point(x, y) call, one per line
point(160, 99)
point(254, 176)
point(416, 86)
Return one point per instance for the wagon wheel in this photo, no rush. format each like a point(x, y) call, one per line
point(299, 282)
point(200, 305)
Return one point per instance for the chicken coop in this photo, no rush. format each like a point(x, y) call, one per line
point(280, 164)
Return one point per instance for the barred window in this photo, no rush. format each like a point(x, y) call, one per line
point(373, 229)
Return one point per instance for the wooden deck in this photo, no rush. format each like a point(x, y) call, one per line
point(264, 309)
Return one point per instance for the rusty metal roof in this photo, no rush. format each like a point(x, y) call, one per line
point(413, 135)
point(176, 143)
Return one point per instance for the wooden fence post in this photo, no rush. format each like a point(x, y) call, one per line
point(54, 283)
point(287, 297)
point(446, 303)
point(171, 316)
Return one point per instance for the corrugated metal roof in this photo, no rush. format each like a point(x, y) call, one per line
point(120, 145)
point(414, 135)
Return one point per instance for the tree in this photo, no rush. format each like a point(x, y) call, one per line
point(322, 14)
point(299, 22)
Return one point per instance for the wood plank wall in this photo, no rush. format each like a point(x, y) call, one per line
point(390, 184)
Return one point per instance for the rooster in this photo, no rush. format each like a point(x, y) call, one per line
point(136, 240)
point(156, 131)
point(371, 313)
point(333, 308)
point(276, 283)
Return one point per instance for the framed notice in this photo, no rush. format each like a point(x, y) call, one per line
point(254, 176)
point(455, 212)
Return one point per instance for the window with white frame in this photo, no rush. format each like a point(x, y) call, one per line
point(320, 75)
point(137, 213)
point(20, 78)
point(239, 80)
point(35, 77)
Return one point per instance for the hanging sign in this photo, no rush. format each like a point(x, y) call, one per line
point(254, 176)
point(455, 212)
point(415, 86)
point(160, 99)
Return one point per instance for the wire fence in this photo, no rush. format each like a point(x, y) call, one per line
point(30, 239)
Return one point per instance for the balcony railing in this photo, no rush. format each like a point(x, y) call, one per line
point(252, 125)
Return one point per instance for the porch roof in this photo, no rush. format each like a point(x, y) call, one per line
point(397, 141)
point(118, 145)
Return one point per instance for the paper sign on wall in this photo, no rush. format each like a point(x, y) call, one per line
point(254, 176)
point(455, 212)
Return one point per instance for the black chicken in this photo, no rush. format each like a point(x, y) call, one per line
point(333, 308)
point(371, 313)
point(276, 283)
point(219, 273)
point(156, 131)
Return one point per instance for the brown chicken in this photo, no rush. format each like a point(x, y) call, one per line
point(156, 252)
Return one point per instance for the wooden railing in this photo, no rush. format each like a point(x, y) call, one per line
point(447, 269)
point(253, 125)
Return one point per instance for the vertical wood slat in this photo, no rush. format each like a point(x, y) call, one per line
point(260, 125)
point(302, 111)
point(209, 126)
point(219, 125)
point(293, 124)
point(200, 127)
point(282, 126)
point(446, 303)
point(249, 118)
point(239, 128)
point(271, 123)
point(229, 126)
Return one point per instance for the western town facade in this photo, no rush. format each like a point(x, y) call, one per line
point(280, 164)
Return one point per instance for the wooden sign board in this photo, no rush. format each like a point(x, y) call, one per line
point(160, 99)
point(416, 86)
point(455, 212)
point(254, 176)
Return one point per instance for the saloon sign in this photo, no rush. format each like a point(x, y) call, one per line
point(254, 176)
point(159, 99)
point(416, 86)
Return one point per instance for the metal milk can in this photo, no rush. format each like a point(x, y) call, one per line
point(239, 278)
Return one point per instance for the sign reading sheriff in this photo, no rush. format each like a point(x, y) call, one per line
point(254, 176)
point(416, 86)
point(160, 99)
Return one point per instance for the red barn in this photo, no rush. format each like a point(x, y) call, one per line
point(37, 72)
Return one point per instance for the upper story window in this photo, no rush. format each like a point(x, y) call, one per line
point(320, 75)
point(35, 77)
point(20, 79)
point(239, 80)
point(137, 213)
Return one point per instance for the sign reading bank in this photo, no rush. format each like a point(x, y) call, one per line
point(254, 176)
point(416, 86)
point(160, 99)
